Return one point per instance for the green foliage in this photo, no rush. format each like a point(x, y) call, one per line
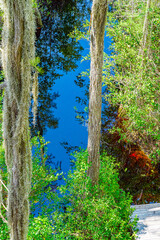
point(135, 83)
point(1, 76)
point(34, 63)
point(79, 211)
point(41, 196)
point(40, 228)
point(42, 178)
point(3, 171)
point(34, 2)
point(84, 212)
point(4, 235)
point(83, 33)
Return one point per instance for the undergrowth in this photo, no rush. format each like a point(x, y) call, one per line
point(87, 212)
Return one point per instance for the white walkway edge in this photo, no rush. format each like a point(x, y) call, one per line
point(149, 221)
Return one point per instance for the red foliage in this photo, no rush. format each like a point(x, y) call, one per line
point(133, 156)
point(137, 173)
point(140, 158)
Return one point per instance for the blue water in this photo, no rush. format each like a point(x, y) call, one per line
point(69, 128)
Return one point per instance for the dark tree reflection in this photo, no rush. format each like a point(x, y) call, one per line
point(58, 52)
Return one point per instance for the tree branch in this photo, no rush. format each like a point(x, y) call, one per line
point(4, 185)
point(145, 30)
point(4, 220)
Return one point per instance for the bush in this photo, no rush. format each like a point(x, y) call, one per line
point(102, 212)
point(40, 228)
point(4, 233)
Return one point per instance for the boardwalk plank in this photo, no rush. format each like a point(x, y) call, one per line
point(149, 221)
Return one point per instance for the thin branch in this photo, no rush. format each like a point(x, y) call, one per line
point(4, 206)
point(145, 26)
point(4, 184)
point(4, 220)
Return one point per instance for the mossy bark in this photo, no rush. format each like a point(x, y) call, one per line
point(17, 50)
point(98, 20)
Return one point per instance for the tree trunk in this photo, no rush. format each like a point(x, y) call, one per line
point(98, 19)
point(17, 50)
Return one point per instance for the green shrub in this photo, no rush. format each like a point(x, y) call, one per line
point(40, 228)
point(4, 235)
point(86, 212)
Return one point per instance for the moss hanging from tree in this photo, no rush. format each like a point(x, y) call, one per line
point(17, 50)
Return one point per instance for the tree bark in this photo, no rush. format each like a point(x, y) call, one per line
point(3, 85)
point(98, 20)
point(18, 49)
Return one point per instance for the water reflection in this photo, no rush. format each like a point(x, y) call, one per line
point(60, 59)
point(58, 52)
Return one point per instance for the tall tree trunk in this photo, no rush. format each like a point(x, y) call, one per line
point(17, 50)
point(98, 19)
point(145, 30)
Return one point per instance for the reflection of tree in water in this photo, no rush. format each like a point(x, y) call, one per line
point(82, 111)
point(58, 52)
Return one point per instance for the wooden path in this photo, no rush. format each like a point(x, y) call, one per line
point(149, 221)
